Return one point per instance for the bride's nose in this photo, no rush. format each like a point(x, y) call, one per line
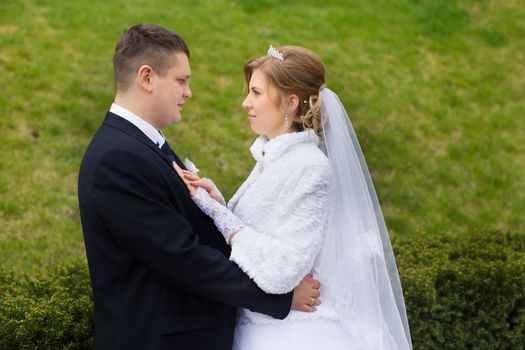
point(245, 104)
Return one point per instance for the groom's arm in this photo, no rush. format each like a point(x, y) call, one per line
point(131, 197)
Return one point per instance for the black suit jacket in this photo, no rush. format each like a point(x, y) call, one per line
point(159, 269)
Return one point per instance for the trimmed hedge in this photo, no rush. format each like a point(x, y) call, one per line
point(464, 292)
point(461, 292)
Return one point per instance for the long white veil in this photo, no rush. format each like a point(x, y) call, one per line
point(358, 256)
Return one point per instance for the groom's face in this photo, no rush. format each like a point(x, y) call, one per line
point(172, 90)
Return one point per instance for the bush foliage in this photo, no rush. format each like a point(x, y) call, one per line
point(461, 292)
point(465, 292)
point(52, 311)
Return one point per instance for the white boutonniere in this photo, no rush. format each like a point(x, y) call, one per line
point(190, 166)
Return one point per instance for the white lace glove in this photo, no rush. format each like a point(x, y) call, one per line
point(227, 223)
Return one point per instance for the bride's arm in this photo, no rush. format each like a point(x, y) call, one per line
point(277, 261)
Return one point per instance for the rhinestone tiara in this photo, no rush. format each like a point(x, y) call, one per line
point(272, 51)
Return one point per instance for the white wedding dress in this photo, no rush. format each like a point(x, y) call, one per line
point(281, 209)
point(288, 222)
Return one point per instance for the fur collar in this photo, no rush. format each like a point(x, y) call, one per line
point(269, 150)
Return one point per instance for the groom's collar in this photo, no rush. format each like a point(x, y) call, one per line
point(153, 134)
point(114, 121)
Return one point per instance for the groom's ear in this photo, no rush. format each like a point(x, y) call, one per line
point(144, 77)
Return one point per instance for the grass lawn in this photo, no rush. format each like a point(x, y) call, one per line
point(435, 90)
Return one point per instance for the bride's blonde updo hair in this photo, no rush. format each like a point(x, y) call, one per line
point(301, 73)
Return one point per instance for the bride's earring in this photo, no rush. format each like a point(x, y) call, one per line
point(286, 122)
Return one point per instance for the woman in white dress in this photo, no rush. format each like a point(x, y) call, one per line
point(308, 206)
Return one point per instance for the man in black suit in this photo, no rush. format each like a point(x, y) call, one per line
point(159, 269)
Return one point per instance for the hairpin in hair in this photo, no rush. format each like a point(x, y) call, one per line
point(272, 51)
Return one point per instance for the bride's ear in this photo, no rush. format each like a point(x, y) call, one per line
point(291, 103)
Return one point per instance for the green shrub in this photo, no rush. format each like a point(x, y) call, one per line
point(464, 292)
point(461, 292)
point(52, 311)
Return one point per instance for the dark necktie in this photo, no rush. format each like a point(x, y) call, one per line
point(170, 154)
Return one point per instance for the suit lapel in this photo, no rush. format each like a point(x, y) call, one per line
point(114, 121)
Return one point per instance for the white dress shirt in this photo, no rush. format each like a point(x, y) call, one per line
point(148, 130)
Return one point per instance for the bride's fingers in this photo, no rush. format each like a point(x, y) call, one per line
point(180, 172)
point(215, 196)
point(178, 169)
point(191, 176)
point(202, 183)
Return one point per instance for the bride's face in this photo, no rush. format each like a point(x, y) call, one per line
point(264, 113)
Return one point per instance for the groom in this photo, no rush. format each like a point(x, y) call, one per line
point(159, 269)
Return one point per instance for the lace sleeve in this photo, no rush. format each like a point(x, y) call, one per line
point(227, 223)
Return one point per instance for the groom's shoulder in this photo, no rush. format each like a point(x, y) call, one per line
point(116, 132)
point(107, 138)
point(111, 142)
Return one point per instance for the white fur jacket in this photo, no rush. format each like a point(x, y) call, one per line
point(279, 214)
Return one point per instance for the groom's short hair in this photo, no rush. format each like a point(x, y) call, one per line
point(145, 44)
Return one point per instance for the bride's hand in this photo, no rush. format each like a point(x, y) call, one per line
point(205, 183)
point(192, 189)
point(193, 181)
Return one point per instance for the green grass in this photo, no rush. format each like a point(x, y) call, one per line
point(435, 90)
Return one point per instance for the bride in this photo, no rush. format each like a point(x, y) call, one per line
point(308, 206)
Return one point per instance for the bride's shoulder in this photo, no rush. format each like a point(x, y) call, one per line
point(311, 159)
point(311, 154)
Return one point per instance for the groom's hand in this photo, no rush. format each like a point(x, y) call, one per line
point(306, 295)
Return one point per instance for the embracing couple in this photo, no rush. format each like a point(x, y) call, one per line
point(173, 266)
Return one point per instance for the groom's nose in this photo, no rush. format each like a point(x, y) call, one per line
point(187, 92)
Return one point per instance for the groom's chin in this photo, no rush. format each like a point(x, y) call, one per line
point(176, 118)
point(170, 121)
